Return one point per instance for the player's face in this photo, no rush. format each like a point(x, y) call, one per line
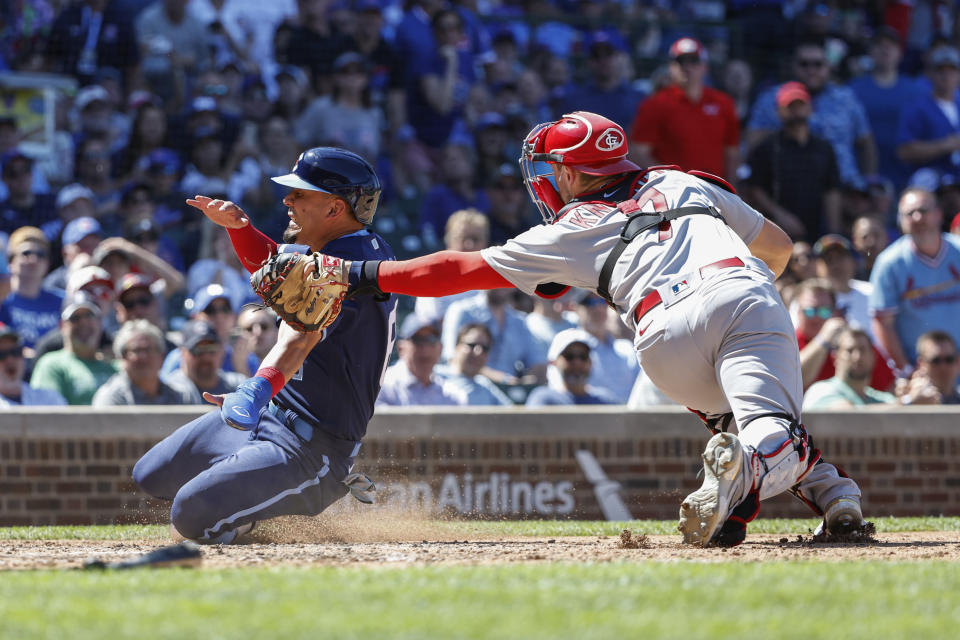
point(854, 357)
point(308, 211)
point(564, 180)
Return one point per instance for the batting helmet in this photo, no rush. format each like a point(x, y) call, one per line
point(587, 142)
point(338, 172)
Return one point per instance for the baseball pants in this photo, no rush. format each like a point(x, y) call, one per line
point(221, 479)
point(731, 347)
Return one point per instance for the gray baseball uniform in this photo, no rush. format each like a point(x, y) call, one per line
point(721, 341)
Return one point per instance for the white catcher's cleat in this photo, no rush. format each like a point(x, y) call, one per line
point(705, 510)
point(841, 517)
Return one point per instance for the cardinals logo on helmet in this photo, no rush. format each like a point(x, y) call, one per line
point(609, 140)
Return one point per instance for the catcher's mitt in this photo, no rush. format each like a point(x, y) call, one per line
point(305, 290)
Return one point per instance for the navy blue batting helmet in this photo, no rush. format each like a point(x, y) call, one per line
point(338, 172)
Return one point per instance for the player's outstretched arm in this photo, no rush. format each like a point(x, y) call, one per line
point(439, 274)
point(241, 409)
point(251, 245)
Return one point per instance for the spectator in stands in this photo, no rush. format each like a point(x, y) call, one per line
point(737, 82)
point(23, 206)
point(142, 228)
point(293, 91)
point(818, 323)
point(688, 123)
point(490, 140)
point(837, 264)
point(78, 241)
point(513, 355)
point(212, 304)
point(94, 171)
point(13, 390)
point(75, 201)
point(120, 256)
point(869, 239)
point(212, 170)
point(838, 116)
point(439, 81)
point(937, 366)
point(347, 118)
point(81, 367)
point(148, 134)
point(569, 372)
point(884, 93)
point(310, 41)
point(916, 281)
point(96, 282)
point(461, 377)
point(456, 191)
point(615, 358)
point(608, 90)
point(136, 300)
point(793, 173)
point(258, 326)
point(386, 73)
point(91, 35)
point(28, 309)
point(97, 118)
point(174, 44)
point(201, 353)
point(929, 129)
point(412, 381)
point(546, 320)
point(219, 264)
point(509, 207)
point(850, 386)
point(139, 345)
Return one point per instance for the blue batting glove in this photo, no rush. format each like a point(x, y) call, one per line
point(241, 409)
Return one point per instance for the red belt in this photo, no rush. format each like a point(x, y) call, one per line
point(653, 298)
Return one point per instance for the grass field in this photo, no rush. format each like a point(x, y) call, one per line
point(631, 598)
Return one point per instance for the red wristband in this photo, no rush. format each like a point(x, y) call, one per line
point(274, 376)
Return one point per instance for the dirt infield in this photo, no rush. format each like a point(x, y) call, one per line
point(441, 550)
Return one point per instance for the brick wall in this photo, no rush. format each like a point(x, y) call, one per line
point(72, 466)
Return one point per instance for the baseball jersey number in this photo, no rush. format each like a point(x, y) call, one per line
point(650, 194)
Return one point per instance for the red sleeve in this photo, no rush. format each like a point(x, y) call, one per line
point(439, 274)
point(252, 247)
point(643, 130)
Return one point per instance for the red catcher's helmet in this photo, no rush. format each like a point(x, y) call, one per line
point(581, 140)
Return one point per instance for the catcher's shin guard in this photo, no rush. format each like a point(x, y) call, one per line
point(780, 453)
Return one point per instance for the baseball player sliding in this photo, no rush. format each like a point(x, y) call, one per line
point(298, 422)
point(690, 268)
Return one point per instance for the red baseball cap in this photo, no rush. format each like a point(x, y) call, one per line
point(791, 92)
point(955, 224)
point(687, 46)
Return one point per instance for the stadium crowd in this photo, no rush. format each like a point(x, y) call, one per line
point(839, 121)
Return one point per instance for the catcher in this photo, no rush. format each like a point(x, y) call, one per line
point(284, 442)
point(689, 267)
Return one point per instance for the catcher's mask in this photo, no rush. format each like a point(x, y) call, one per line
point(584, 141)
point(338, 172)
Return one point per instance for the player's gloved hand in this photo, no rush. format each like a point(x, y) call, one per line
point(241, 408)
point(363, 280)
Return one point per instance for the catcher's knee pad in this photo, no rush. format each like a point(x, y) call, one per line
point(779, 453)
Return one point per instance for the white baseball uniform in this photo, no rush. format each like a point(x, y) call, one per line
point(721, 341)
